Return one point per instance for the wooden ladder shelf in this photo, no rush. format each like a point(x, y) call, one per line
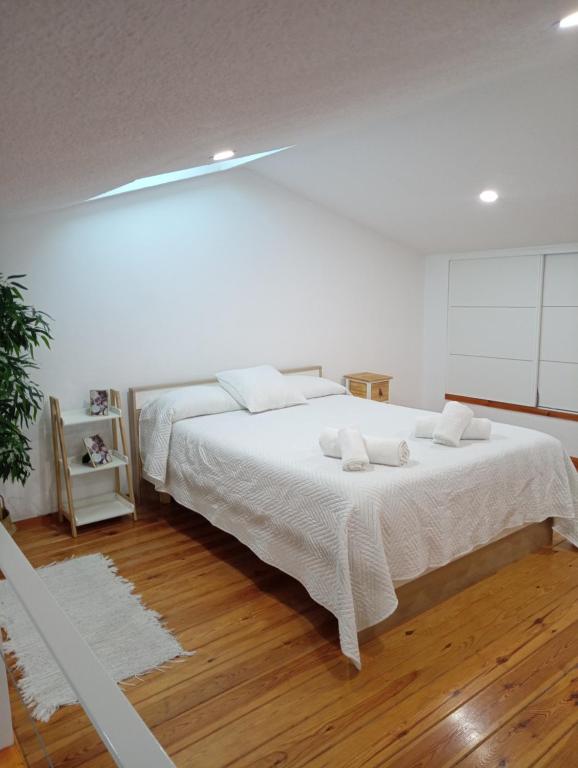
point(83, 511)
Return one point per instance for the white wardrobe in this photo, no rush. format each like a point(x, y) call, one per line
point(513, 329)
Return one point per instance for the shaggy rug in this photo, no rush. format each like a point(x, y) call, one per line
point(127, 638)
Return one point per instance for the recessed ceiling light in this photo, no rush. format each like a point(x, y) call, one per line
point(569, 21)
point(489, 196)
point(226, 154)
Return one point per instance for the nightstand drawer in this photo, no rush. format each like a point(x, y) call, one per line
point(358, 388)
point(380, 391)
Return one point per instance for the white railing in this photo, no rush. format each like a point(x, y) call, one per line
point(123, 732)
point(6, 733)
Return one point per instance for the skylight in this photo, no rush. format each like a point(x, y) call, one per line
point(186, 173)
point(569, 21)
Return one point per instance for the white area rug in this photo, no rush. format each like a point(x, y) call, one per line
point(127, 638)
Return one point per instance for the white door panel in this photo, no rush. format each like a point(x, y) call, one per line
point(508, 381)
point(561, 280)
point(493, 332)
point(511, 281)
point(559, 342)
point(558, 386)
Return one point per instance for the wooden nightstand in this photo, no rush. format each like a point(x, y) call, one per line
point(372, 386)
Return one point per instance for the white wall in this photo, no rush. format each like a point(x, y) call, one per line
point(435, 347)
point(179, 282)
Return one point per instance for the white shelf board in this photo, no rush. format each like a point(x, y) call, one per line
point(82, 416)
point(102, 507)
point(78, 468)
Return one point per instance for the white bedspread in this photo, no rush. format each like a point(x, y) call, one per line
point(346, 536)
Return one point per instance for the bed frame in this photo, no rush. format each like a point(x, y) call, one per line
point(439, 584)
point(414, 596)
point(138, 397)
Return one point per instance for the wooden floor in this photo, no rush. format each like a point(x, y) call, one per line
point(488, 678)
point(12, 757)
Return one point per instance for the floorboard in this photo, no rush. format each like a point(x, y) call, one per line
point(487, 678)
point(12, 757)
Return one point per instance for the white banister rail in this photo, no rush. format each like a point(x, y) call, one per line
point(124, 733)
point(6, 733)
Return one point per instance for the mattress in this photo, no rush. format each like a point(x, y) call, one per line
point(347, 537)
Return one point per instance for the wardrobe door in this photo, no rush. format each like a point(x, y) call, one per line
point(558, 370)
point(493, 319)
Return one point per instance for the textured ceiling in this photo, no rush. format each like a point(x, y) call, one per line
point(94, 94)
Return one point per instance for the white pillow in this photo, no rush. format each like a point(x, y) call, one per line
point(315, 386)
point(261, 388)
point(159, 414)
point(198, 400)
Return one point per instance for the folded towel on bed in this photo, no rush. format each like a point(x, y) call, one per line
point(477, 429)
point(452, 424)
point(386, 450)
point(354, 456)
point(380, 450)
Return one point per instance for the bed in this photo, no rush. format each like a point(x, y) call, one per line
point(352, 539)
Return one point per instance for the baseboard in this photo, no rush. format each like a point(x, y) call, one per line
point(30, 522)
point(567, 415)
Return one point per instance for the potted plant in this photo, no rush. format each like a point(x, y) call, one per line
point(22, 330)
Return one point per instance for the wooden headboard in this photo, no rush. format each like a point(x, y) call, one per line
point(138, 397)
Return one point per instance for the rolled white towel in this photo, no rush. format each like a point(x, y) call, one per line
point(329, 443)
point(452, 424)
point(354, 456)
point(380, 450)
point(390, 451)
point(477, 429)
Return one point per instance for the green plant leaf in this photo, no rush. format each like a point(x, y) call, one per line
point(22, 330)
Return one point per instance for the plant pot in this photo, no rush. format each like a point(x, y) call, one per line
point(5, 518)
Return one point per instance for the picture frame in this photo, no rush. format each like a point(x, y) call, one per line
point(98, 453)
point(99, 402)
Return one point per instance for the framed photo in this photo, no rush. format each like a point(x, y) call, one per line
point(98, 453)
point(99, 402)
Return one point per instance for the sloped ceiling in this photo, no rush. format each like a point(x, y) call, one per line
point(417, 178)
point(373, 93)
